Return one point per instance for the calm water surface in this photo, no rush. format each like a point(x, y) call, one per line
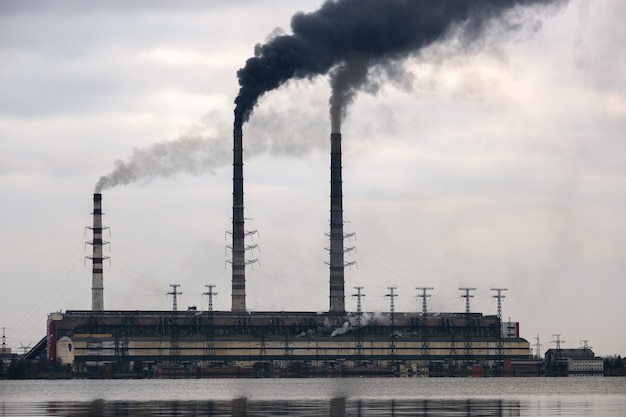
point(596, 396)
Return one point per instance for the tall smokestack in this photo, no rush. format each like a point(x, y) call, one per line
point(337, 297)
point(97, 287)
point(238, 232)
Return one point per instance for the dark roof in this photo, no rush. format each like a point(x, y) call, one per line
point(571, 353)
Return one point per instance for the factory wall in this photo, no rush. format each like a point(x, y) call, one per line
point(229, 338)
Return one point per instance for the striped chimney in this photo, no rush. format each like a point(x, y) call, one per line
point(97, 276)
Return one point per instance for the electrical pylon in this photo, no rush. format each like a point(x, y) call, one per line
point(468, 334)
point(359, 322)
point(424, 296)
point(467, 297)
point(174, 295)
point(424, 333)
point(537, 347)
point(210, 293)
point(499, 296)
point(392, 312)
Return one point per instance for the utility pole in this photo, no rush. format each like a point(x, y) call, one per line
point(424, 332)
point(392, 306)
point(392, 311)
point(467, 297)
point(499, 296)
point(424, 296)
point(585, 346)
point(174, 293)
point(359, 311)
point(500, 343)
point(359, 321)
point(558, 364)
point(209, 343)
point(537, 347)
point(210, 294)
point(558, 341)
point(468, 332)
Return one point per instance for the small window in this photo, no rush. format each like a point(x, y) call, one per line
point(69, 347)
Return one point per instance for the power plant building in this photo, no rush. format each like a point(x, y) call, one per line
point(220, 340)
point(214, 342)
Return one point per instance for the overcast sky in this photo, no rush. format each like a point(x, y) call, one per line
point(503, 166)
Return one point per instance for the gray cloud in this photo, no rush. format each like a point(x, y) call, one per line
point(504, 166)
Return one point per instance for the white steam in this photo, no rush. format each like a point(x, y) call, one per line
point(341, 330)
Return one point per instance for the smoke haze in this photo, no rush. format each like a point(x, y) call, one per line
point(349, 37)
point(187, 154)
point(346, 39)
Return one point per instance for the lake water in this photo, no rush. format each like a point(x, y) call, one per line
point(592, 396)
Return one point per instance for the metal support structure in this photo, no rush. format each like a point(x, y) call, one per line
point(424, 296)
point(174, 295)
point(467, 297)
point(209, 343)
point(558, 357)
point(210, 293)
point(263, 349)
point(499, 296)
point(468, 332)
point(359, 322)
point(537, 347)
point(558, 341)
point(392, 318)
point(585, 345)
point(174, 341)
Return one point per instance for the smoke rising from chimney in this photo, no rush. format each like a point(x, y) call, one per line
point(187, 154)
point(207, 147)
point(349, 37)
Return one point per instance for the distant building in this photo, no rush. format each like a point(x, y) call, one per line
point(581, 361)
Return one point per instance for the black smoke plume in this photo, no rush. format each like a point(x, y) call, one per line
point(346, 38)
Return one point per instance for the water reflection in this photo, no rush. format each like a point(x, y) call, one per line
point(242, 407)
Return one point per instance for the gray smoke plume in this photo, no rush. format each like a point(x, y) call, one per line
point(191, 154)
point(349, 37)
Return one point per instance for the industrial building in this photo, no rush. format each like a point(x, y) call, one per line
point(246, 342)
point(227, 340)
point(580, 361)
